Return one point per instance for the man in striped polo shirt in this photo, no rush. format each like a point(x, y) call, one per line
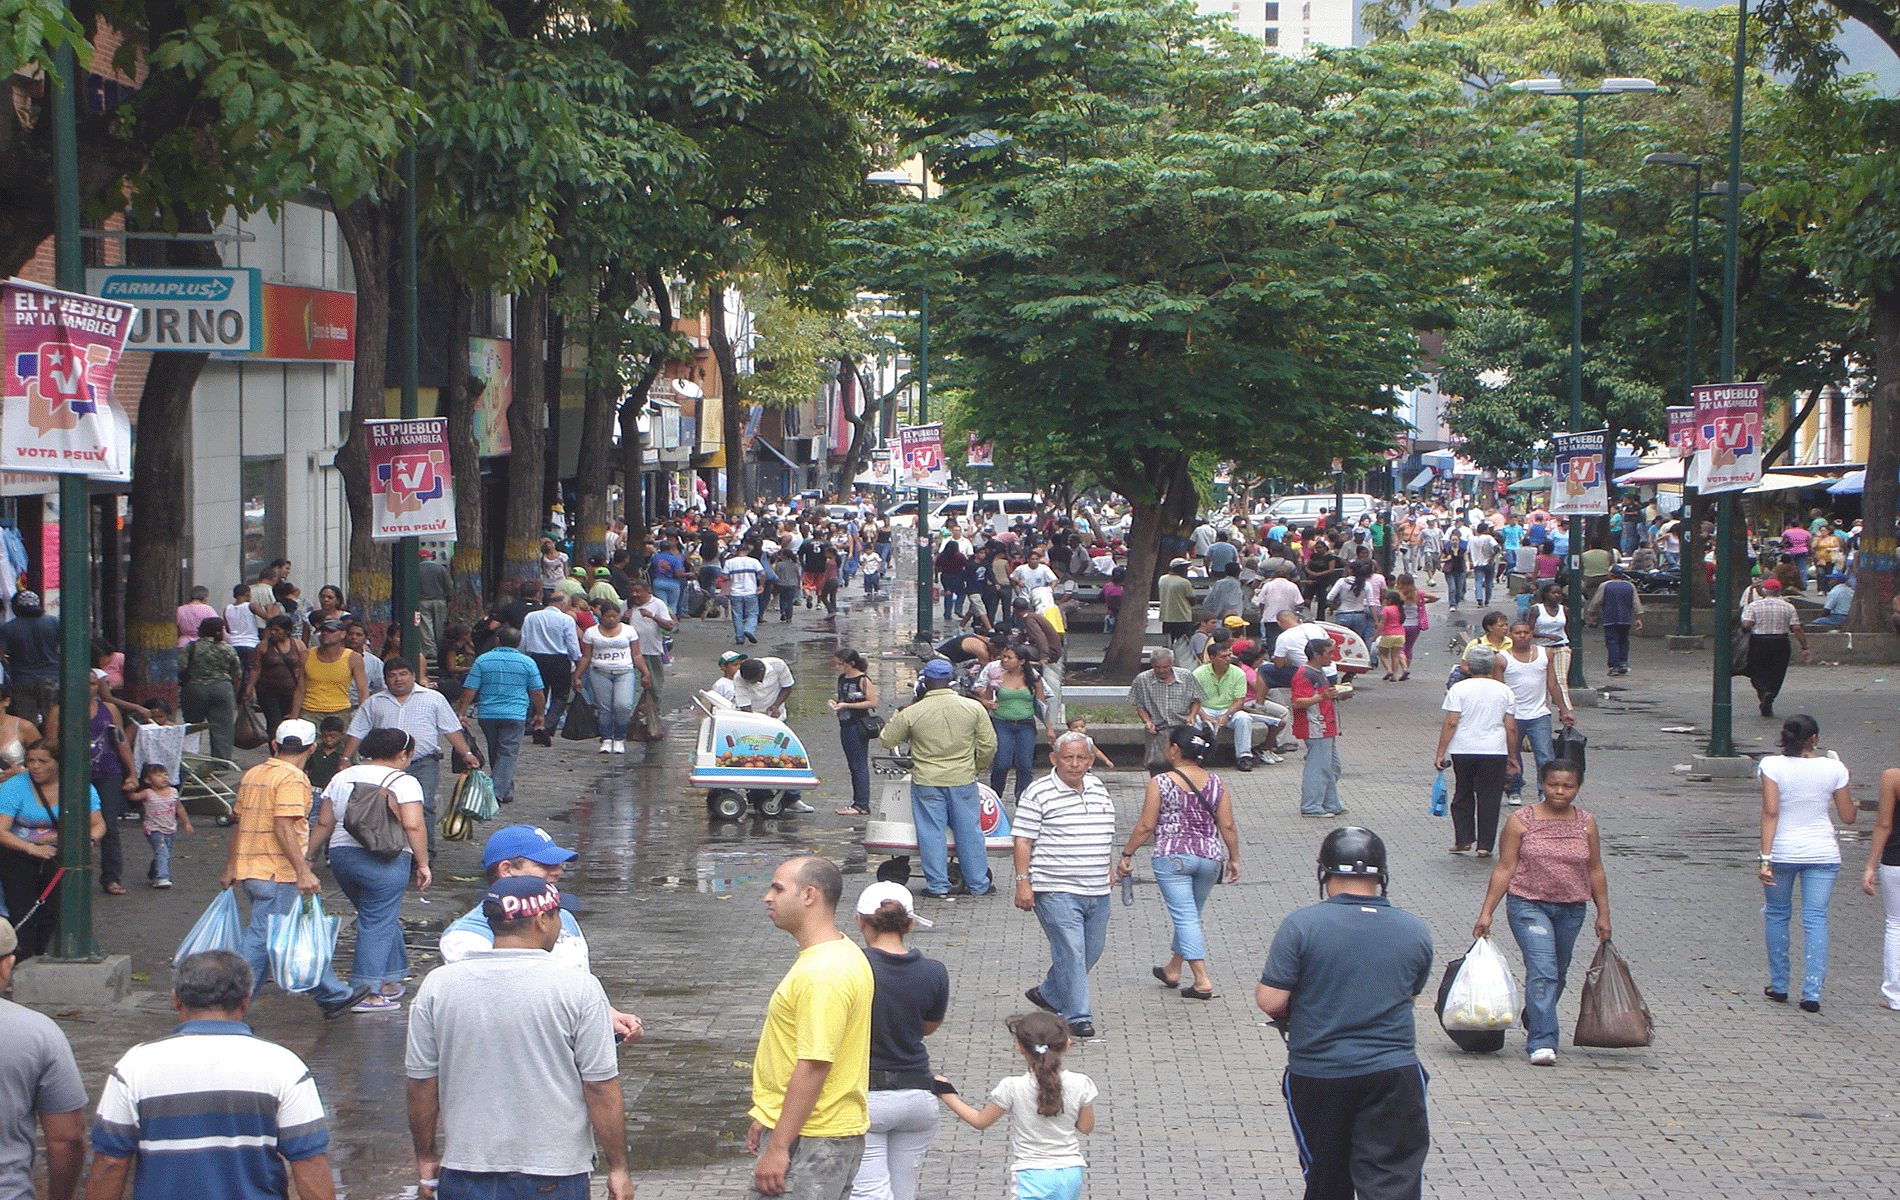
point(1064, 829)
point(212, 1110)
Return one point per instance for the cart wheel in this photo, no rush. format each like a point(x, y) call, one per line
point(726, 805)
point(225, 820)
point(772, 804)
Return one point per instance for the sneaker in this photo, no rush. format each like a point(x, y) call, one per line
point(1034, 996)
point(1515, 801)
point(1271, 759)
point(753, 638)
point(375, 1004)
point(1244, 763)
point(620, 746)
point(332, 1011)
point(395, 995)
point(161, 883)
point(799, 806)
point(1545, 1057)
point(1082, 1029)
point(606, 745)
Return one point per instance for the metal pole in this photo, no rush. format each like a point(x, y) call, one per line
point(924, 558)
point(73, 939)
point(408, 597)
point(1685, 618)
point(1575, 546)
point(1721, 706)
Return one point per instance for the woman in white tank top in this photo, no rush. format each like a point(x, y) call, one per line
point(240, 625)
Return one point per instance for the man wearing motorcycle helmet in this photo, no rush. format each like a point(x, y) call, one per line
point(1340, 982)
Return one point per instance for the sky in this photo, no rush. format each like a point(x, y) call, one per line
point(1866, 54)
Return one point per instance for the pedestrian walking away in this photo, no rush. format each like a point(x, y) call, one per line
point(951, 739)
point(39, 1085)
point(911, 995)
point(507, 1033)
point(1769, 623)
point(1190, 815)
point(551, 638)
point(1799, 845)
point(1064, 835)
point(1550, 862)
point(1340, 982)
point(1883, 872)
point(213, 1109)
point(1047, 1108)
point(426, 717)
point(1477, 742)
point(811, 1074)
point(1618, 609)
point(505, 686)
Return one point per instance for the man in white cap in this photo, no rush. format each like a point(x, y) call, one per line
point(38, 1078)
point(268, 855)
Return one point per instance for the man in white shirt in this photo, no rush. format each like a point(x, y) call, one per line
point(763, 684)
point(648, 616)
point(1277, 595)
point(743, 575)
point(1482, 550)
point(1034, 573)
point(1064, 834)
point(1289, 649)
point(424, 715)
point(551, 638)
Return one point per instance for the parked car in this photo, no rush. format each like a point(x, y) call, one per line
point(1302, 512)
point(902, 515)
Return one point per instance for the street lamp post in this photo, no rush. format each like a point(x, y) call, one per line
point(1555, 87)
point(924, 574)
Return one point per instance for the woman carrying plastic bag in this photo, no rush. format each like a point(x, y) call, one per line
point(1551, 864)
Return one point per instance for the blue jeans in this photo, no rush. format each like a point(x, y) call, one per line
point(375, 886)
point(952, 604)
point(1455, 587)
point(857, 756)
point(161, 854)
point(1817, 886)
point(787, 596)
point(1537, 729)
point(504, 749)
point(427, 772)
point(745, 616)
point(1632, 537)
point(1186, 880)
point(669, 590)
point(1616, 644)
point(1546, 932)
point(871, 579)
point(268, 897)
point(1076, 927)
point(614, 693)
point(1015, 747)
point(932, 810)
point(1485, 575)
point(470, 1185)
point(1319, 778)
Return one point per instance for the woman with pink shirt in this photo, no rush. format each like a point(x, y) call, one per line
point(194, 614)
point(1550, 862)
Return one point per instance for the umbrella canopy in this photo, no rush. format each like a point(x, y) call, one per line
point(1851, 484)
point(1669, 470)
point(1788, 483)
point(1534, 483)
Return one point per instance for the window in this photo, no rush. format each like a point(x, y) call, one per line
point(1272, 12)
point(262, 509)
point(1270, 36)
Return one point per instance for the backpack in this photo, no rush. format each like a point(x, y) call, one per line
point(370, 817)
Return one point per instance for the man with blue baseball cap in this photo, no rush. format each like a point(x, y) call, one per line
point(951, 739)
point(527, 851)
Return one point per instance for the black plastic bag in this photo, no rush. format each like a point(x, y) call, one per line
point(1474, 1041)
point(1570, 743)
point(580, 724)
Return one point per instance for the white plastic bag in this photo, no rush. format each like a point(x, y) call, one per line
point(301, 943)
point(217, 929)
point(1484, 996)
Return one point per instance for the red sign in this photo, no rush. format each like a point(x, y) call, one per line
point(1682, 429)
point(307, 325)
point(61, 351)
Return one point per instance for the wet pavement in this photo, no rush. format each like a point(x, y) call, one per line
point(1736, 1094)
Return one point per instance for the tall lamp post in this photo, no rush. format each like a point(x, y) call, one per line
point(1614, 86)
point(924, 634)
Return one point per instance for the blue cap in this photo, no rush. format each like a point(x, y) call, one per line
point(524, 841)
point(521, 896)
point(940, 669)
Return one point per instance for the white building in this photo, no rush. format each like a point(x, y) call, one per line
point(1294, 26)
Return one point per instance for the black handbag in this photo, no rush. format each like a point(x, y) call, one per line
point(1738, 653)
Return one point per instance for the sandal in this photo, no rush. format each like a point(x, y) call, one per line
point(114, 889)
point(1482, 854)
point(852, 811)
point(1165, 981)
point(1190, 993)
point(1461, 848)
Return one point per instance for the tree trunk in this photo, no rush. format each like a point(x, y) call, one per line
point(526, 512)
point(159, 473)
point(632, 454)
point(729, 396)
point(1160, 497)
point(369, 230)
point(550, 368)
point(1874, 579)
point(588, 526)
point(459, 394)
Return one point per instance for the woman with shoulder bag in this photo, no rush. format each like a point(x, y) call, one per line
point(858, 724)
point(1190, 816)
point(208, 672)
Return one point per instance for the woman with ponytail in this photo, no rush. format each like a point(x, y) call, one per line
point(1048, 1107)
point(1798, 843)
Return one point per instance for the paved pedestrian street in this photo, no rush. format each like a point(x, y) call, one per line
point(1738, 1096)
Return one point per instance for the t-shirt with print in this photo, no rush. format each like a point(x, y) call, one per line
point(611, 653)
point(37, 1075)
point(742, 575)
point(1804, 829)
point(1310, 681)
point(1482, 705)
point(1072, 830)
point(1036, 1142)
point(820, 1011)
point(160, 808)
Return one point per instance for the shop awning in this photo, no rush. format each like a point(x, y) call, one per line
point(762, 444)
point(1534, 483)
point(1669, 470)
point(1788, 483)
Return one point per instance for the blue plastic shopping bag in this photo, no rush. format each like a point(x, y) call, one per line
point(1438, 795)
point(301, 943)
point(217, 929)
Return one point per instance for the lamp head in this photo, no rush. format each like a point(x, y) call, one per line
point(1668, 159)
point(1627, 84)
point(1536, 85)
point(890, 179)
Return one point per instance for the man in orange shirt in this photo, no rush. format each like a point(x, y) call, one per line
point(267, 855)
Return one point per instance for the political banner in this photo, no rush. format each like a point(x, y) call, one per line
point(920, 458)
point(1580, 484)
point(411, 492)
point(980, 454)
point(1681, 430)
point(1728, 436)
point(62, 351)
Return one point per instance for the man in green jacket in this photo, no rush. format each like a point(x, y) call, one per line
point(951, 739)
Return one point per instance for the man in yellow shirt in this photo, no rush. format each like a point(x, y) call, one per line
point(267, 855)
point(812, 1074)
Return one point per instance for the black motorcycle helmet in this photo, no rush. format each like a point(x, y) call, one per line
point(1351, 850)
